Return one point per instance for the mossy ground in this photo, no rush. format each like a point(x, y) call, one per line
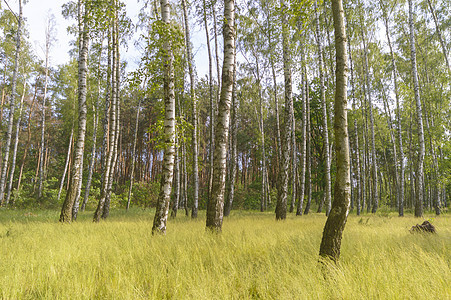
point(255, 257)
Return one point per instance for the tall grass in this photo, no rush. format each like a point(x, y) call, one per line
point(254, 257)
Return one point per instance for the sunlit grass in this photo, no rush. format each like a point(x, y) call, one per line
point(254, 257)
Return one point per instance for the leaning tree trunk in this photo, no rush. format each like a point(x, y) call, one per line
point(328, 197)
point(439, 35)
point(12, 101)
point(420, 170)
point(194, 101)
point(74, 186)
point(16, 143)
point(162, 209)
point(281, 207)
point(215, 207)
point(335, 224)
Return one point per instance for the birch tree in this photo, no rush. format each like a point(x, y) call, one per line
point(336, 221)
point(416, 86)
point(77, 164)
point(162, 209)
point(215, 207)
point(12, 108)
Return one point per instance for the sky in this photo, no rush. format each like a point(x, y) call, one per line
point(36, 13)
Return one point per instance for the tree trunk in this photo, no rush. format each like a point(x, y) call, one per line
point(294, 162)
point(303, 144)
point(308, 156)
point(12, 101)
point(117, 103)
point(212, 103)
point(215, 206)
point(176, 194)
point(281, 207)
point(333, 230)
point(373, 142)
point(94, 134)
point(162, 209)
point(16, 143)
point(420, 172)
point(109, 124)
point(24, 157)
point(194, 101)
point(398, 118)
point(41, 158)
point(439, 35)
point(234, 156)
point(328, 197)
point(73, 191)
point(135, 139)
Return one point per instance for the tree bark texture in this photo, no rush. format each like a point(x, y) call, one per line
point(281, 206)
point(335, 224)
point(328, 197)
point(162, 209)
point(74, 186)
point(215, 207)
point(421, 151)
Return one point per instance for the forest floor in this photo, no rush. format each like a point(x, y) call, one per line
point(254, 257)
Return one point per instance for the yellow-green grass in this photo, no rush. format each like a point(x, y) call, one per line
point(254, 257)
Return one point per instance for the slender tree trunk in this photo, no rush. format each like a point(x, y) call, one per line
point(373, 142)
point(194, 101)
point(439, 35)
point(12, 101)
point(420, 172)
point(398, 117)
point(73, 191)
point(94, 135)
point(303, 144)
point(308, 156)
point(176, 194)
point(335, 224)
point(215, 206)
point(135, 139)
point(185, 180)
point(294, 163)
point(66, 166)
point(328, 197)
point(162, 209)
point(41, 158)
point(234, 156)
point(16, 143)
point(116, 122)
point(24, 157)
point(109, 124)
point(357, 169)
point(281, 207)
point(212, 103)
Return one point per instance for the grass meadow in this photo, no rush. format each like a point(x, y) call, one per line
point(254, 258)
